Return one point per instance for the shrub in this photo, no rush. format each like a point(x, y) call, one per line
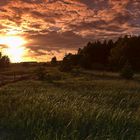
point(41, 73)
point(127, 71)
point(65, 67)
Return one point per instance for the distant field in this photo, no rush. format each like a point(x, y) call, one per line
point(88, 106)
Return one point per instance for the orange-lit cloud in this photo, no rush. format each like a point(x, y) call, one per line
point(54, 27)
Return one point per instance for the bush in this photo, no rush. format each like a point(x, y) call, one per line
point(127, 71)
point(65, 67)
point(41, 73)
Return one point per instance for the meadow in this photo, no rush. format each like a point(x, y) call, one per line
point(83, 105)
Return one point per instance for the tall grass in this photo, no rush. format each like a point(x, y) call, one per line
point(79, 108)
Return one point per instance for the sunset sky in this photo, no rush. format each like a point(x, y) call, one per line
point(44, 28)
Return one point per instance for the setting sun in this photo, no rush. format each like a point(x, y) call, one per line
point(14, 47)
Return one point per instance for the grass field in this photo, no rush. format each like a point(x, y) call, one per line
point(88, 106)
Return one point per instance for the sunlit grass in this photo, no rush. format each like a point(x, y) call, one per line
point(72, 108)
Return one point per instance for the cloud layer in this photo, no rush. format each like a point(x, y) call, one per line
point(54, 27)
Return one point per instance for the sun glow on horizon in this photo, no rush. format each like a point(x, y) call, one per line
point(14, 47)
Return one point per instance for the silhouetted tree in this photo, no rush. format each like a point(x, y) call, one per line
point(126, 49)
point(4, 61)
point(66, 65)
point(54, 61)
point(107, 54)
point(117, 58)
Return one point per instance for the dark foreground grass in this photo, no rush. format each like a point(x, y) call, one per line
point(78, 108)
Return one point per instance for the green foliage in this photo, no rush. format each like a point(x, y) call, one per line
point(92, 105)
point(74, 109)
point(127, 71)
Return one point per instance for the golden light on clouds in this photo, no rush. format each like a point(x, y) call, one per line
point(14, 47)
point(51, 26)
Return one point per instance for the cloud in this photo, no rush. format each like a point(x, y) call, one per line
point(57, 41)
point(56, 25)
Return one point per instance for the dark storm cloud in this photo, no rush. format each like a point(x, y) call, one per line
point(96, 4)
point(32, 1)
point(98, 25)
point(69, 24)
point(54, 40)
point(4, 2)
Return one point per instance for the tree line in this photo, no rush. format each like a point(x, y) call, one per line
point(106, 55)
